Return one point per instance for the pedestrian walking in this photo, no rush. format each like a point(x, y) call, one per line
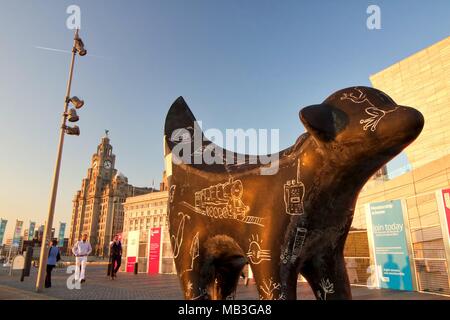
point(115, 256)
point(53, 257)
point(81, 250)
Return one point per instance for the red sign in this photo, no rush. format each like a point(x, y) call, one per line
point(130, 264)
point(154, 250)
point(446, 198)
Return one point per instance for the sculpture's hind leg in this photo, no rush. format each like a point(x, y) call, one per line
point(289, 276)
point(221, 265)
point(226, 277)
point(327, 276)
point(218, 283)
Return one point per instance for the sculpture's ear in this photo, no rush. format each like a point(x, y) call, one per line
point(179, 116)
point(179, 119)
point(323, 121)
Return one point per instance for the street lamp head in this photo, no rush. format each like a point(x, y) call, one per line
point(79, 46)
point(82, 52)
point(77, 103)
point(72, 116)
point(72, 131)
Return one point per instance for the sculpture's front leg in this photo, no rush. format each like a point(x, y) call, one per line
point(268, 282)
point(327, 276)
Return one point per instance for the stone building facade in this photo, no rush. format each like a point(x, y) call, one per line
point(142, 213)
point(422, 81)
point(98, 206)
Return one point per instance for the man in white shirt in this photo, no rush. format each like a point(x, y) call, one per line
point(81, 250)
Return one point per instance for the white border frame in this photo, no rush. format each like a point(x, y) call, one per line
point(444, 228)
point(370, 237)
point(409, 245)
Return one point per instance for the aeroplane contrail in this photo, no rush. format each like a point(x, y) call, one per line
point(66, 51)
point(51, 49)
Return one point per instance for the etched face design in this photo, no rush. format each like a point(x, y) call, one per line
point(237, 189)
point(255, 253)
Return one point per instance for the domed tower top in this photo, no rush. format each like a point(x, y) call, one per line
point(105, 138)
point(120, 175)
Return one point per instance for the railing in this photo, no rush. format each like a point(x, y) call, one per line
point(357, 269)
point(432, 275)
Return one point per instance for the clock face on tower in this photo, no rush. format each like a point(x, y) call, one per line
point(107, 164)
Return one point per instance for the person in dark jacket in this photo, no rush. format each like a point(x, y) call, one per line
point(115, 253)
point(53, 257)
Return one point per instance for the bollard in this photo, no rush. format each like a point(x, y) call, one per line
point(110, 266)
point(28, 259)
point(135, 268)
point(27, 263)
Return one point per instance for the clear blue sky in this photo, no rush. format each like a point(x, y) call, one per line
point(239, 64)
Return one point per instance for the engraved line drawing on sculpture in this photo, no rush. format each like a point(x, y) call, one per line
point(282, 296)
point(268, 288)
point(284, 256)
point(255, 254)
point(359, 99)
point(194, 251)
point(375, 116)
point(171, 197)
point(294, 192)
point(189, 288)
point(375, 113)
point(297, 246)
point(223, 201)
point(178, 240)
point(203, 293)
point(327, 287)
point(172, 193)
point(300, 236)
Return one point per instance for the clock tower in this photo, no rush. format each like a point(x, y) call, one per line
point(103, 162)
point(97, 208)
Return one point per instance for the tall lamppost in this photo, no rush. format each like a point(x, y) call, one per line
point(71, 116)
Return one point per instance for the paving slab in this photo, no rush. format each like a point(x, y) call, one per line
point(129, 286)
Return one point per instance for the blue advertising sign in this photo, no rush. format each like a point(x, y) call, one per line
point(62, 230)
point(31, 230)
point(390, 246)
point(2, 229)
point(17, 233)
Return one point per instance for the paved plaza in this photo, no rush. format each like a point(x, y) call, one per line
point(156, 287)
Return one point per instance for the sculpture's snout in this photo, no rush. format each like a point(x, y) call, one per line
point(413, 121)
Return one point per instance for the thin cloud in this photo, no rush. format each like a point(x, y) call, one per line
point(66, 51)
